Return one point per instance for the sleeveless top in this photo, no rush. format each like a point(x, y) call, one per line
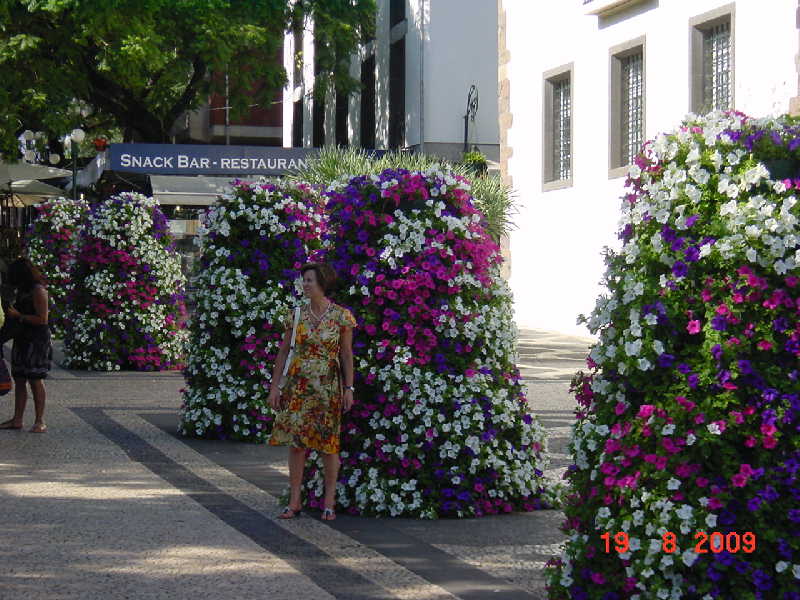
point(25, 305)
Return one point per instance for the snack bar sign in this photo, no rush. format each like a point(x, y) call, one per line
point(190, 159)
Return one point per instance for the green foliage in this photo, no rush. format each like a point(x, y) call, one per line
point(476, 161)
point(141, 64)
point(491, 195)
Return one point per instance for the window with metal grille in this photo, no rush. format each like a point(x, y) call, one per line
point(632, 105)
point(562, 131)
point(717, 67)
point(712, 60)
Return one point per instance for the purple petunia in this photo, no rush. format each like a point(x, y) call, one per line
point(665, 361)
point(719, 323)
point(679, 269)
point(692, 254)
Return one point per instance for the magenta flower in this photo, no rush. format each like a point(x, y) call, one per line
point(693, 326)
point(645, 411)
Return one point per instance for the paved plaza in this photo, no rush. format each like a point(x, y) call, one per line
point(111, 503)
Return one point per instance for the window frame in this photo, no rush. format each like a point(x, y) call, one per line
point(698, 26)
point(549, 79)
point(616, 166)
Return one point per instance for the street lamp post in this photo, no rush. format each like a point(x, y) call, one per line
point(472, 109)
point(75, 139)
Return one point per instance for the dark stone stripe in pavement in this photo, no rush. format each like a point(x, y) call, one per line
point(427, 561)
point(302, 556)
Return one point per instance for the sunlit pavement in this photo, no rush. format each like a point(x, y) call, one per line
point(110, 503)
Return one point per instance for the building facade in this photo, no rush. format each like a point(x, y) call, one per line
point(415, 77)
point(212, 123)
point(582, 85)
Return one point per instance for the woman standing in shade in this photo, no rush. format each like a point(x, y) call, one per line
point(32, 352)
point(311, 407)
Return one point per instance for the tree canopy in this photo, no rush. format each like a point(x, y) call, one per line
point(140, 64)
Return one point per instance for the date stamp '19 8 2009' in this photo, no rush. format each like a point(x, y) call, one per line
point(715, 542)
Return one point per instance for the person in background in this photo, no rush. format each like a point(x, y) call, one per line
point(311, 412)
point(32, 352)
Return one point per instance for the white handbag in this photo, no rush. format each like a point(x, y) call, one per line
point(290, 356)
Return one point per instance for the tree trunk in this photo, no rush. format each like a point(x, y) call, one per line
point(132, 113)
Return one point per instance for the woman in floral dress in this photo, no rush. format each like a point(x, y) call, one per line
point(310, 406)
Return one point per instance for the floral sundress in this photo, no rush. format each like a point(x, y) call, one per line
point(313, 416)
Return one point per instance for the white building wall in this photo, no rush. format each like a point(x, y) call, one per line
point(556, 250)
point(450, 44)
point(461, 50)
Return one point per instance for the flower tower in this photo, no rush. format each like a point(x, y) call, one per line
point(441, 425)
point(50, 244)
point(253, 244)
point(687, 445)
point(126, 310)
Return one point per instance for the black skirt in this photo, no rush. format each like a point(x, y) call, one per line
point(31, 355)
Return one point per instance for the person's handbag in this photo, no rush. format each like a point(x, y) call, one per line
point(5, 378)
point(284, 378)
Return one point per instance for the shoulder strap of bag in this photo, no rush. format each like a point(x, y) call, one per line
point(291, 347)
point(294, 327)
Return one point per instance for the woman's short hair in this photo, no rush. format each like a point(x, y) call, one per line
point(23, 274)
point(326, 276)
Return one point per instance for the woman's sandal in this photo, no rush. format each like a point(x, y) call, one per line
point(40, 428)
point(10, 425)
point(290, 513)
point(328, 514)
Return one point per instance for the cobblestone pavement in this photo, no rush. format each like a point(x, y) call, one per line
point(110, 503)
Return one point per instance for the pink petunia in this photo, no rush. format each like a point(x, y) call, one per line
point(764, 345)
point(693, 326)
point(701, 482)
point(645, 410)
point(769, 442)
point(739, 480)
point(768, 429)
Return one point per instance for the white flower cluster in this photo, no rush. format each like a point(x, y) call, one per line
point(756, 220)
point(101, 322)
point(227, 386)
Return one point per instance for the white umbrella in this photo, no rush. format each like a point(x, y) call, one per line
point(25, 171)
point(31, 187)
